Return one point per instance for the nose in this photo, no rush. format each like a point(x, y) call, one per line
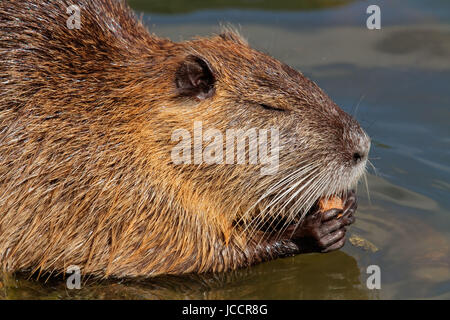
point(358, 157)
point(362, 151)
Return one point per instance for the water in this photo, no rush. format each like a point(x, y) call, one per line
point(396, 81)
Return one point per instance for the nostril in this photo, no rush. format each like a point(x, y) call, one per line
point(357, 157)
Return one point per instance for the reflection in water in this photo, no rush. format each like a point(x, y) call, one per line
point(414, 257)
point(332, 276)
point(403, 42)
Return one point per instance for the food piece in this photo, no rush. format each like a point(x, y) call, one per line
point(334, 202)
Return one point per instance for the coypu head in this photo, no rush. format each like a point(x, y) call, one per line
point(222, 83)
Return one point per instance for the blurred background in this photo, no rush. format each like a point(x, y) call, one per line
point(396, 82)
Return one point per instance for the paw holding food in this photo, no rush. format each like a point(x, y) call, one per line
point(333, 202)
point(324, 228)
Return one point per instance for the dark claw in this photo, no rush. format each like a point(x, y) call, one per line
point(350, 206)
point(349, 220)
point(331, 238)
point(331, 214)
point(331, 226)
point(335, 246)
point(325, 231)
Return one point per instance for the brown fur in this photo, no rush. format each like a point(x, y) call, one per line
point(86, 118)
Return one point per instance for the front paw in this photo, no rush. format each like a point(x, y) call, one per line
point(325, 231)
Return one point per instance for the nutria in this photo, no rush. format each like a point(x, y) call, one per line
point(86, 123)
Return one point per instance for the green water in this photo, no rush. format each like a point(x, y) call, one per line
point(396, 81)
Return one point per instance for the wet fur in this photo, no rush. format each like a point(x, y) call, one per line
point(86, 118)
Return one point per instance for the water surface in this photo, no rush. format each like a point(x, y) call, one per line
point(396, 82)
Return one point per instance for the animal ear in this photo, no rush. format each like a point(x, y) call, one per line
point(194, 78)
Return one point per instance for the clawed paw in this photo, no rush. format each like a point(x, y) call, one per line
point(325, 231)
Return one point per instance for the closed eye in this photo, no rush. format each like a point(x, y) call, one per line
point(268, 107)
